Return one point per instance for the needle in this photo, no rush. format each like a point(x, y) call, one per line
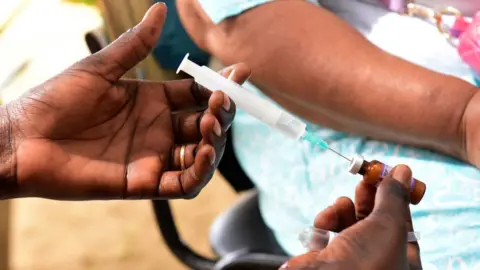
point(339, 154)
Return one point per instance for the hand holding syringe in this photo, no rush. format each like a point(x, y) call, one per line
point(254, 105)
point(276, 118)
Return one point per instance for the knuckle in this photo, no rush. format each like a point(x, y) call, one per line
point(133, 37)
point(199, 120)
point(93, 63)
point(199, 94)
point(195, 151)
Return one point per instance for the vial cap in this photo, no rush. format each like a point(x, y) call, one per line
point(356, 164)
point(416, 195)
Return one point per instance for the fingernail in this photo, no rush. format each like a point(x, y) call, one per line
point(402, 174)
point(217, 129)
point(284, 266)
point(211, 156)
point(224, 71)
point(226, 102)
point(151, 8)
point(148, 12)
point(230, 77)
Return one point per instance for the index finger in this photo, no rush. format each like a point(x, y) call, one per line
point(188, 95)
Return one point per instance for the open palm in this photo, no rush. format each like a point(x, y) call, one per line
point(87, 134)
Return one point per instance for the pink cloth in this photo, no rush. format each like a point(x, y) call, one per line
point(469, 44)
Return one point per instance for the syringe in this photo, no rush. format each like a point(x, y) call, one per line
point(254, 105)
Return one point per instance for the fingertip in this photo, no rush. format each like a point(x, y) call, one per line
point(152, 25)
point(363, 189)
point(346, 212)
point(157, 12)
point(207, 151)
point(212, 155)
point(226, 102)
point(242, 72)
point(131, 47)
point(327, 219)
point(343, 202)
point(209, 124)
point(403, 174)
point(216, 100)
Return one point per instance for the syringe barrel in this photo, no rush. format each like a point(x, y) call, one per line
point(254, 105)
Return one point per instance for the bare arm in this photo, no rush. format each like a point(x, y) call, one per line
point(346, 83)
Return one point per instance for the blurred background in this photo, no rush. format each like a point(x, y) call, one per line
point(38, 39)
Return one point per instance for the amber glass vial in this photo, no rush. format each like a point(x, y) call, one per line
point(374, 171)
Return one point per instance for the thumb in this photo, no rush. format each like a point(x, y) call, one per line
point(392, 198)
point(130, 48)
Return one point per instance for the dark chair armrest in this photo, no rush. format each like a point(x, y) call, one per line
point(230, 168)
point(242, 227)
point(166, 223)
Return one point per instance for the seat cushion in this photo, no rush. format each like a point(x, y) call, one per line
point(242, 228)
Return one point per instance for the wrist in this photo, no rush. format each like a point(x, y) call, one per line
point(469, 130)
point(8, 182)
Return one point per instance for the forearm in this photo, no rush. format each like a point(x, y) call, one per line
point(331, 75)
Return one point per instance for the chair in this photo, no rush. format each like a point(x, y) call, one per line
point(239, 237)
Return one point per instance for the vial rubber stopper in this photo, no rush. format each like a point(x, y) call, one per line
point(356, 164)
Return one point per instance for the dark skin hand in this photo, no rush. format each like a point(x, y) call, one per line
point(372, 231)
point(88, 134)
